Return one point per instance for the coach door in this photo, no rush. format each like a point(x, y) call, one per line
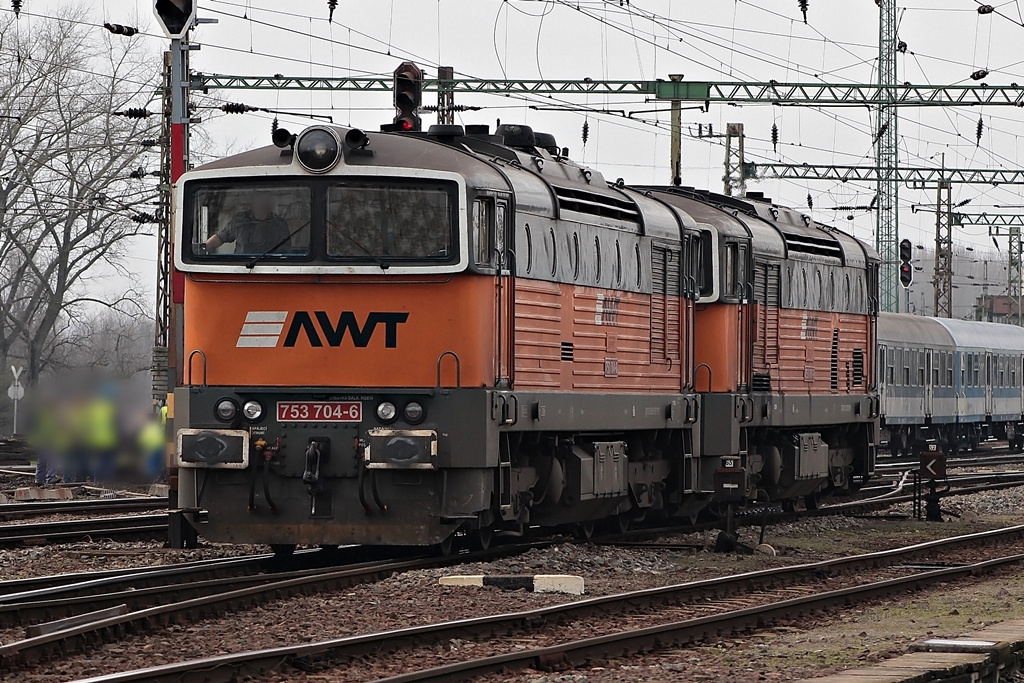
point(929, 383)
point(989, 375)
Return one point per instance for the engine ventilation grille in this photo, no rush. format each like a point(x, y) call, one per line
point(858, 367)
point(567, 351)
point(595, 204)
point(761, 382)
point(812, 244)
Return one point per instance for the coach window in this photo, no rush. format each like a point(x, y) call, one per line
point(977, 370)
point(890, 364)
point(921, 369)
point(906, 367)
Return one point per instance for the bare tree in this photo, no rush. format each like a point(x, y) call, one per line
point(68, 205)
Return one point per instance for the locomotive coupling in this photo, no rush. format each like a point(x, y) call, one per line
point(317, 452)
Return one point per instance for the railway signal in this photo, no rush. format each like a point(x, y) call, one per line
point(408, 96)
point(175, 16)
point(906, 267)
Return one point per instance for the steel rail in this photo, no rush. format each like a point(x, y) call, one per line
point(681, 633)
point(15, 654)
point(232, 666)
point(78, 529)
point(35, 508)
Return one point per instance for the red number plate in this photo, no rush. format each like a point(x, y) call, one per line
point(319, 411)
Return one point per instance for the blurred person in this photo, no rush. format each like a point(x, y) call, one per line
point(95, 455)
point(153, 445)
point(255, 231)
point(49, 439)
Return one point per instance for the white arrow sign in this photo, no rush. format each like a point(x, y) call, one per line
point(929, 466)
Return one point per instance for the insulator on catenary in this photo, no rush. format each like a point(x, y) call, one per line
point(586, 131)
point(803, 8)
point(979, 74)
point(134, 113)
point(882, 131)
point(235, 108)
point(149, 142)
point(144, 218)
point(775, 137)
point(810, 201)
point(16, 6)
point(901, 46)
point(273, 126)
point(981, 128)
point(331, 6)
point(120, 30)
point(986, 9)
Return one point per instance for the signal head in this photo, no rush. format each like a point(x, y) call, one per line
point(906, 251)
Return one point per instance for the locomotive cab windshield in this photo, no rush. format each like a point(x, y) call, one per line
point(320, 224)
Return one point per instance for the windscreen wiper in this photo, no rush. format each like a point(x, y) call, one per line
point(384, 265)
point(256, 259)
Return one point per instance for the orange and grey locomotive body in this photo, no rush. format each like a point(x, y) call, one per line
point(397, 338)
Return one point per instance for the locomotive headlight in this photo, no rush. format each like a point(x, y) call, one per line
point(387, 411)
point(226, 410)
point(413, 413)
point(252, 410)
point(318, 149)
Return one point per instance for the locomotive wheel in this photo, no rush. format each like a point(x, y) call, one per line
point(480, 539)
point(788, 505)
point(584, 530)
point(283, 549)
point(812, 501)
point(623, 522)
point(444, 548)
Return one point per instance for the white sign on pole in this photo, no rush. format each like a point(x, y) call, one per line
point(16, 391)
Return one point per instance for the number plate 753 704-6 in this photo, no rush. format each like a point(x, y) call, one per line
point(319, 411)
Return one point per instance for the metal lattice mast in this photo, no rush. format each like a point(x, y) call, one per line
point(734, 178)
point(944, 252)
point(160, 383)
point(887, 235)
point(920, 178)
point(1003, 225)
point(445, 95)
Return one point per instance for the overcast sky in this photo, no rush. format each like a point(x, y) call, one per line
point(723, 40)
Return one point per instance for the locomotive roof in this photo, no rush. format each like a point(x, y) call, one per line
point(547, 185)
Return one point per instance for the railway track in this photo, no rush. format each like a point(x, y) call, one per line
point(9, 511)
point(152, 602)
point(786, 602)
point(146, 526)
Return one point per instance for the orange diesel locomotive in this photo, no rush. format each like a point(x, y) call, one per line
point(396, 338)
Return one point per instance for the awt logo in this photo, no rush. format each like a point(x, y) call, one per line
point(264, 329)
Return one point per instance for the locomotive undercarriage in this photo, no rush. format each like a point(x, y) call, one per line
point(480, 462)
point(779, 447)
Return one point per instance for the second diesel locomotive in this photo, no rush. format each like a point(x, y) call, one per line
point(462, 332)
